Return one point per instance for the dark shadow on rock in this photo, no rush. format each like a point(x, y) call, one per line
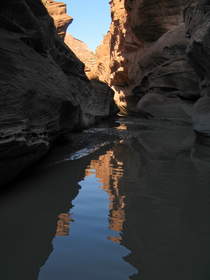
point(169, 86)
point(106, 97)
point(44, 90)
point(198, 29)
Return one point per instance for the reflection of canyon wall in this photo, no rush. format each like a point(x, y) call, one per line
point(35, 211)
point(159, 194)
point(29, 214)
point(109, 170)
point(63, 224)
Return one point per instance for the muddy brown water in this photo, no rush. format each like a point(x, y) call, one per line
point(133, 207)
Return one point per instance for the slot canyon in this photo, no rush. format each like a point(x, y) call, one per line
point(105, 154)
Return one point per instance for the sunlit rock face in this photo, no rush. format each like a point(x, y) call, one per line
point(58, 11)
point(106, 101)
point(44, 90)
point(135, 26)
point(83, 53)
point(103, 59)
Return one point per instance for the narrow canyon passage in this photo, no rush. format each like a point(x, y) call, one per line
point(105, 154)
point(117, 210)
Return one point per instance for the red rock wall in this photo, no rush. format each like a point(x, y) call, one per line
point(83, 53)
point(135, 26)
point(58, 12)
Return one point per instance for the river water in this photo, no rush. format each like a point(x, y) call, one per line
point(134, 205)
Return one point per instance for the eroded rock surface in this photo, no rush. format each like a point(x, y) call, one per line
point(83, 53)
point(44, 90)
point(136, 26)
point(169, 84)
point(58, 12)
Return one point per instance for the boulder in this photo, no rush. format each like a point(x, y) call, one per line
point(162, 107)
point(167, 77)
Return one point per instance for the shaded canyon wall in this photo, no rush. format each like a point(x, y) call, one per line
point(44, 90)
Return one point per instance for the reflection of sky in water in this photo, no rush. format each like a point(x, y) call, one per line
point(148, 189)
point(122, 126)
point(87, 252)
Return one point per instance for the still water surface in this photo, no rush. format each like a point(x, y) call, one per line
point(83, 247)
point(136, 208)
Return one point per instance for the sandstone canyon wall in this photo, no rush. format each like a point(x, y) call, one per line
point(83, 53)
point(44, 90)
point(58, 11)
point(155, 57)
point(136, 26)
point(151, 59)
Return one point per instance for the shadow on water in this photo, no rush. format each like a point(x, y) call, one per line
point(167, 187)
point(157, 179)
point(31, 215)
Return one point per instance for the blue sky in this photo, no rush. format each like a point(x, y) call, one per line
point(91, 20)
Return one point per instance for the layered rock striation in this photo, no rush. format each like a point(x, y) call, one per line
point(44, 90)
point(136, 26)
point(58, 12)
point(174, 80)
point(83, 53)
point(156, 59)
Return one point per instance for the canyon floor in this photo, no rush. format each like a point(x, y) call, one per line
point(126, 199)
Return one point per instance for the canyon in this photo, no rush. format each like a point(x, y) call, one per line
point(104, 156)
point(154, 64)
point(44, 90)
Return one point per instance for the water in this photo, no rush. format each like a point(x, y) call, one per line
point(88, 241)
point(136, 208)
